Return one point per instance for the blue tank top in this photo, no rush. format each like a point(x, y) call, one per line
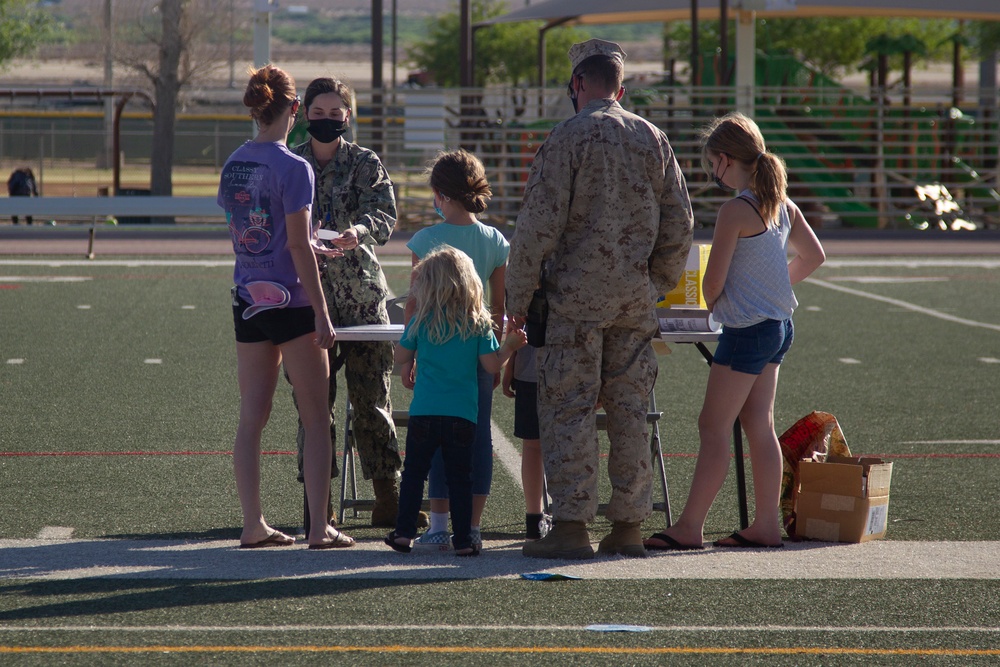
point(757, 286)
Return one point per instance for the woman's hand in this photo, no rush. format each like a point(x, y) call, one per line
point(320, 248)
point(348, 239)
point(325, 335)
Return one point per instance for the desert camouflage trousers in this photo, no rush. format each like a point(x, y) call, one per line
point(583, 363)
point(367, 370)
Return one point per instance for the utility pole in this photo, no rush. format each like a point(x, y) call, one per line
point(232, 45)
point(378, 110)
point(107, 157)
point(395, 39)
point(262, 31)
point(465, 46)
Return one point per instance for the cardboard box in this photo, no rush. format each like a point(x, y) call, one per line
point(845, 499)
point(688, 291)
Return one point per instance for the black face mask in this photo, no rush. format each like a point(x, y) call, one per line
point(326, 130)
point(718, 180)
point(572, 95)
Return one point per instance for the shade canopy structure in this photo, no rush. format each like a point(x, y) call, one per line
point(582, 12)
point(637, 11)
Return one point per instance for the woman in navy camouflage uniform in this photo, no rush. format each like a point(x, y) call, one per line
point(354, 197)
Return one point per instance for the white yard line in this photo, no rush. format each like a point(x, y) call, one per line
point(913, 263)
point(181, 629)
point(904, 304)
point(132, 263)
point(505, 450)
point(950, 442)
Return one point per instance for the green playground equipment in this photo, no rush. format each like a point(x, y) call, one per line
point(835, 140)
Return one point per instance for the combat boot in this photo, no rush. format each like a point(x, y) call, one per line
point(625, 539)
point(566, 539)
point(387, 505)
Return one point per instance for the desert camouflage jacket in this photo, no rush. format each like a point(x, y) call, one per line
point(606, 211)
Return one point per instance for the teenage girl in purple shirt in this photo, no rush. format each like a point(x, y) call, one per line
point(279, 312)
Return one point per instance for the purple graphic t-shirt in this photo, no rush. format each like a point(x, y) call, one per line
point(260, 182)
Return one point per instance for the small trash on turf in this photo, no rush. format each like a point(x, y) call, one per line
point(548, 576)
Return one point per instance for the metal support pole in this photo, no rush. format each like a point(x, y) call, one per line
point(378, 108)
point(262, 31)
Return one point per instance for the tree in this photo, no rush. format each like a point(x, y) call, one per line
point(985, 37)
point(958, 41)
point(881, 47)
point(22, 26)
point(505, 53)
point(910, 45)
point(831, 45)
point(170, 43)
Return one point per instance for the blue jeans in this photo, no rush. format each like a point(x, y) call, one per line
point(452, 439)
point(482, 451)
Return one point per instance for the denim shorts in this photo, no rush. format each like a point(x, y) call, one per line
point(750, 349)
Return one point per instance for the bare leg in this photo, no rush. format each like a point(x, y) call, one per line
point(532, 476)
point(725, 395)
point(309, 371)
point(478, 507)
point(257, 370)
point(757, 419)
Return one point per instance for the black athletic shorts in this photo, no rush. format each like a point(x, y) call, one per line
point(278, 325)
point(525, 409)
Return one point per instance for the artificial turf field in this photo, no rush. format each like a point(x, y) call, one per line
point(117, 413)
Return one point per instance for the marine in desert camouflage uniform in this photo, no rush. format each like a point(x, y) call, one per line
point(354, 196)
point(606, 221)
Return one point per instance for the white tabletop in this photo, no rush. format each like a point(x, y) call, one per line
point(370, 332)
point(689, 336)
point(395, 332)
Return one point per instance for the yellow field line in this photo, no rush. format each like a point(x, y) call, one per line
point(666, 650)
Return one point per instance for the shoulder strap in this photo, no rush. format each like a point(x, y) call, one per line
point(755, 209)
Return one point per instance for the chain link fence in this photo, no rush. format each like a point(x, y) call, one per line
point(855, 159)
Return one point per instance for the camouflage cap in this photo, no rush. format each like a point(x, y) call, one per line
point(594, 47)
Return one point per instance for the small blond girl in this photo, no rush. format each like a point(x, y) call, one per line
point(451, 333)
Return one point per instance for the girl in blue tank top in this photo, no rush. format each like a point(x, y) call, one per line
point(748, 287)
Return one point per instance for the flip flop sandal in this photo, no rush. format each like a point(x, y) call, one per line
point(340, 541)
point(744, 543)
point(275, 539)
point(390, 540)
point(672, 544)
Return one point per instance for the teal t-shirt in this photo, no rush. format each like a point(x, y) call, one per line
point(485, 245)
point(446, 383)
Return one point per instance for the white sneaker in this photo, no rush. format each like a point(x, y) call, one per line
point(545, 525)
point(439, 541)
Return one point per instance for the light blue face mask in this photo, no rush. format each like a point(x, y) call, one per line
point(437, 209)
